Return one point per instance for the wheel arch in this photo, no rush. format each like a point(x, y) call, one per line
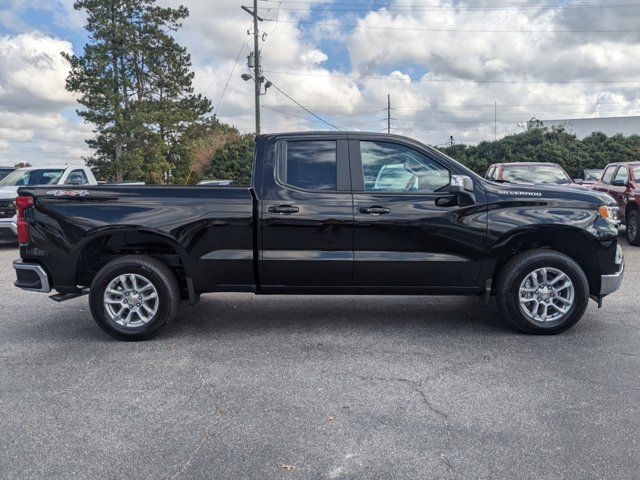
point(571, 241)
point(99, 248)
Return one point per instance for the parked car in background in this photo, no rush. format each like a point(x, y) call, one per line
point(622, 182)
point(34, 176)
point(533, 173)
point(4, 171)
point(588, 176)
point(326, 213)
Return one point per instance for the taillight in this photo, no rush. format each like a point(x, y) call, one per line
point(22, 203)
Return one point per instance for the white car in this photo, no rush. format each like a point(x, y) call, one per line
point(33, 176)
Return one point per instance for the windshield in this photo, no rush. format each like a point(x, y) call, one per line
point(592, 175)
point(535, 174)
point(44, 176)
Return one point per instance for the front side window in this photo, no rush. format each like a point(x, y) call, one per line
point(636, 174)
point(622, 174)
point(608, 174)
point(311, 164)
point(535, 174)
point(32, 177)
point(490, 173)
point(390, 167)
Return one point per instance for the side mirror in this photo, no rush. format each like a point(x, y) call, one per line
point(462, 186)
point(619, 183)
point(578, 181)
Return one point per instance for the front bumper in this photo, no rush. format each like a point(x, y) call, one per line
point(610, 283)
point(31, 276)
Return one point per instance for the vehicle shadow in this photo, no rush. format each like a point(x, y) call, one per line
point(229, 314)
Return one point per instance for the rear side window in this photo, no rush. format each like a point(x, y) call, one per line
point(311, 164)
point(608, 174)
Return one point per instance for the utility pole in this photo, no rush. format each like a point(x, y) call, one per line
point(257, 73)
point(388, 113)
point(495, 120)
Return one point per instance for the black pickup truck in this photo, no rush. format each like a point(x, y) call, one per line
point(327, 213)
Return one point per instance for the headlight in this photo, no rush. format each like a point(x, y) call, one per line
point(609, 212)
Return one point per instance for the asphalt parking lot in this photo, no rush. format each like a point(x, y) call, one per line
point(248, 387)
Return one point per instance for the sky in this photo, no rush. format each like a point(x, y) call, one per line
point(471, 70)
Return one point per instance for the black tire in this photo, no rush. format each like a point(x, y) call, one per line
point(153, 270)
point(513, 274)
point(633, 227)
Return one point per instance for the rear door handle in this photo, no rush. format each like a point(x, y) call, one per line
point(284, 209)
point(375, 210)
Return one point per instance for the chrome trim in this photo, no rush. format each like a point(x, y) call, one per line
point(358, 256)
point(228, 254)
point(307, 255)
point(11, 225)
point(386, 256)
point(45, 286)
point(611, 283)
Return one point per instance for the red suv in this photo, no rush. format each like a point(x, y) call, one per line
point(622, 182)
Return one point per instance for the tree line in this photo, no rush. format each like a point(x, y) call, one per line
point(542, 144)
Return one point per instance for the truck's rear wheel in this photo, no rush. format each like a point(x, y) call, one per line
point(633, 227)
point(133, 297)
point(542, 292)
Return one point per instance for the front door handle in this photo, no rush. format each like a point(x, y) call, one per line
point(375, 210)
point(284, 209)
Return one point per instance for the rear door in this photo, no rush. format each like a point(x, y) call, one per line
point(307, 214)
point(409, 230)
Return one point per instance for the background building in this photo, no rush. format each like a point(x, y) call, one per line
point(583, 127)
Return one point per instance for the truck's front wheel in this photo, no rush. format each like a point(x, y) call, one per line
point(133, 297)
point(542, 292)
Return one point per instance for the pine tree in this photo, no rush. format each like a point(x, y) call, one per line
point(134, 82)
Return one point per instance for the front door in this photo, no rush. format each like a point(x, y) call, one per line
point(307, 214)
point(409, 230)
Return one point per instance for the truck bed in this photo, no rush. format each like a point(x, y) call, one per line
point(196, 222)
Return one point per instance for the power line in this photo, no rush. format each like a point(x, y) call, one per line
point(235, 64)
point(303, 107)
point(451, 30)
point(449, 80)
point(418, 8)
point(432, 7)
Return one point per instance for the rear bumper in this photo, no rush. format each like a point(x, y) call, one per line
point(31, 276)
point(8, 230)
point(610, 283)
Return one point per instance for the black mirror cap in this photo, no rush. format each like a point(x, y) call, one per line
point(619, 183)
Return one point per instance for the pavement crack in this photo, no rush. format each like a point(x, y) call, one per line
point(192, 455)
point(417, 386)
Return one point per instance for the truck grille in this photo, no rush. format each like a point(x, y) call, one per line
point(7, 209)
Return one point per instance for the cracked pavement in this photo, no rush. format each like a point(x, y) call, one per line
point(242, 387)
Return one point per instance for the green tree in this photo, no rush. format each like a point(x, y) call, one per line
point(134, 82)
